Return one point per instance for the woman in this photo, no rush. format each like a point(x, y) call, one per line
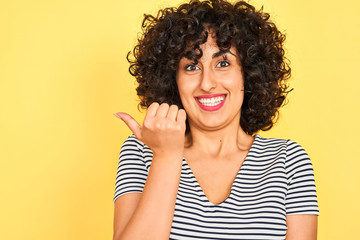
point(211, 74)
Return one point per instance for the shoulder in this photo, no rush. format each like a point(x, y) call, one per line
point(292, 151)
point(289, 146)
point(269, 141)
point(296, 158)
point(297, 161)
point(133, 143)
point(133, 147)
point(269, 145)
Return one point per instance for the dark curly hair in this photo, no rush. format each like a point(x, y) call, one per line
point(175, 33)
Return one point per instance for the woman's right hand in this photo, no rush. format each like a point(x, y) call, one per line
point(163, 129)
point(148, 215)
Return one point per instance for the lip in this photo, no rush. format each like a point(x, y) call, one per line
point(210, 108)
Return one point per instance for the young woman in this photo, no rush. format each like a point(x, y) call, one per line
point(211, 75)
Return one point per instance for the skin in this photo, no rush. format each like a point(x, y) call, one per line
point(301, 227)
point(215, 149)
point(217, 146)
point(145, 215)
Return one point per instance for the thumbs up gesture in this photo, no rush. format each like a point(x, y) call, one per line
point(163, 129)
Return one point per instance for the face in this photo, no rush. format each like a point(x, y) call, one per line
point(212, 90)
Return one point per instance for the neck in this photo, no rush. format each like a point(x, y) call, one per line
point(219, 142)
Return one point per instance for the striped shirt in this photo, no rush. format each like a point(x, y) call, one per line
point(276, 179)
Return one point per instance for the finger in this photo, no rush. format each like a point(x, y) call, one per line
point(181, 116)
point(152, 109)
point(162, 110)
point(131, 123)
point(172, 113)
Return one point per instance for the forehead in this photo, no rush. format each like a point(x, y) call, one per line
point(210, 49)
point(210, 45)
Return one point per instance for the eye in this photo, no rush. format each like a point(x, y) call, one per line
point(191, 67)
point(223, 64)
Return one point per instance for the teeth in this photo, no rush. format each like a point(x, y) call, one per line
point(211, 101)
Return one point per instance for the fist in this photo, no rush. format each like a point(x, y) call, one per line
point(163, 129)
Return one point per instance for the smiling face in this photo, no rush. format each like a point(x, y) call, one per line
point(212, 90)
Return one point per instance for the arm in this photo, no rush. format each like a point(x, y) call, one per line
point(148, 215)
point(301, 227)
point(301, 200)
point(123, 210)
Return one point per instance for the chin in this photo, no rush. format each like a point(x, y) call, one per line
point(212, 124)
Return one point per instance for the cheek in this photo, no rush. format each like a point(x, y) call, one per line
point(180, 86)
point(233, 79)
point(186, 86)
point(182, 92)
point(234, 84)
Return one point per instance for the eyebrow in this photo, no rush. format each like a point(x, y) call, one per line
point(222, 52)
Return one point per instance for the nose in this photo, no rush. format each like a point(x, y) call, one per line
point(208, 80)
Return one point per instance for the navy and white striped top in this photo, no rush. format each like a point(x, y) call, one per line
point(276, 179)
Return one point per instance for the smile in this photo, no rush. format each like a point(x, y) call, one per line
point(211, 102)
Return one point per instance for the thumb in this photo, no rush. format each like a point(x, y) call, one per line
point(132, 124)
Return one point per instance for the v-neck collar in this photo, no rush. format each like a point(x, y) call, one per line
point(232, 186)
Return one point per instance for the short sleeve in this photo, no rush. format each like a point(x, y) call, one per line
point(301, 197)
point(131, 172)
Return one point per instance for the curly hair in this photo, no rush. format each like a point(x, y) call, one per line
point(175, 33)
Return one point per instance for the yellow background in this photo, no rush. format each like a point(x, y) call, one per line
point(63, 74)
